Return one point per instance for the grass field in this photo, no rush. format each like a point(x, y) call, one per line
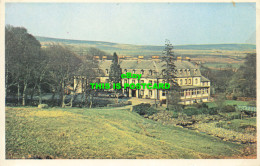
point(104, 133)
point(240, 125)
point(228, 102)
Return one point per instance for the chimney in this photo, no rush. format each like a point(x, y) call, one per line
point(155, 57)
point(179, 58)
point(96, 57)
point(187, 58)
point(104, 58)
point(140, 58)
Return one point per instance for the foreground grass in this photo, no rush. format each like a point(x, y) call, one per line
point(104, 133)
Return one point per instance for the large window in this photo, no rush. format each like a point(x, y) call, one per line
point(181, 82)
point(196, 81)
point(106, 71)
point(142, 92)
point(163, 93)
point(150, 93)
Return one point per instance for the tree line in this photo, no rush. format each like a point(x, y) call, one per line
point(32, 70)
point(238, 83)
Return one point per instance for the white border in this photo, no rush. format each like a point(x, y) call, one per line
point(113, 162)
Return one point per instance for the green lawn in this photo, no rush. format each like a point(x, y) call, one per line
point(104, 133)
point(228, 102)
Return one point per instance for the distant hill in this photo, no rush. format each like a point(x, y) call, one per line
point(117, 46)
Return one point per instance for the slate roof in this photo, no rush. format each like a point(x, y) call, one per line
point(203, 79)
point(184, 68)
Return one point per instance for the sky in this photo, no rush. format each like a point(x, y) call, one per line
point(138, 23)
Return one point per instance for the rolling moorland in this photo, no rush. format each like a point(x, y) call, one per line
point(214, 56)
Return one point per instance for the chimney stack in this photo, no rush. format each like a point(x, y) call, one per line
point(140, 58)
point(187, 58)
point(96, 57)
point(155, 57)
point(104, 58)
point(179, 58)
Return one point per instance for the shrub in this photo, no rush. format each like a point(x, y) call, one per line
point(213, 111)
point(144, 109)
point(234, 97)
point(228, 108)
point(201, 105)
point(191, 111)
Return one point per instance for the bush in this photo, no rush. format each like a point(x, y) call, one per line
point(192, 111)
point(144, 109)
point(234, 97)
point(195, 111)
point(213, 111)
point(228, 108)
point(201, 105)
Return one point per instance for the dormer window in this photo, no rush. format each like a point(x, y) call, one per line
point(142, 71)
point(188, 71)
point(150, 72)
point(180, 71)
point(195, 71)
point(106, 71)
point(134, 71)
point(125, 70)
point(164, 72)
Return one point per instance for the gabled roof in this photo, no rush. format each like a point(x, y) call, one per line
point(184, 68)
point(204, 79)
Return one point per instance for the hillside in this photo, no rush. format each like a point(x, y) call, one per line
point(107, 46)
point(104, 133)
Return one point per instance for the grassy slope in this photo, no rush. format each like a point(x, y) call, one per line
point(104, 133)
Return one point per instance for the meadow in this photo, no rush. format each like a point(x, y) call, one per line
point(107, 133)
